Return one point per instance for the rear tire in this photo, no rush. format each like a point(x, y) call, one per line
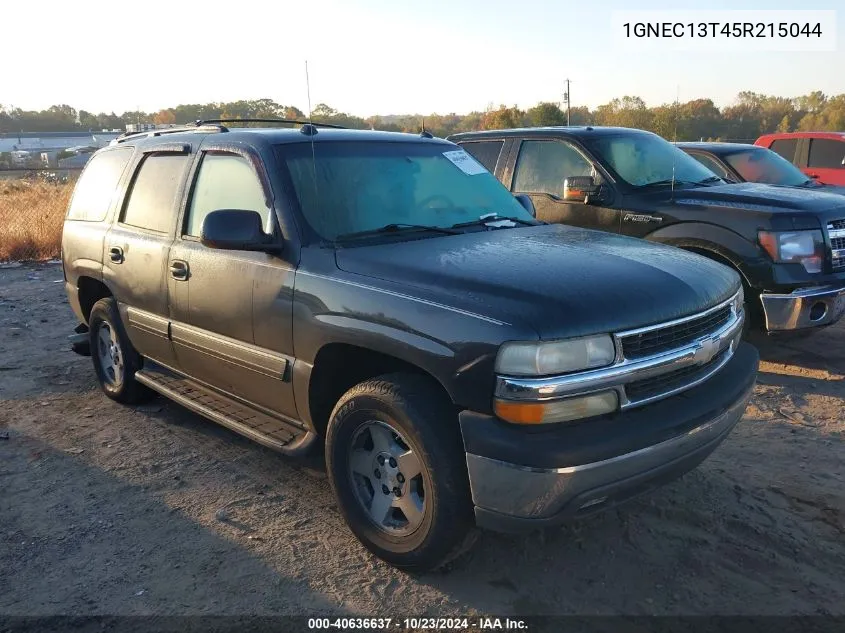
point(416, 520)
point(115, 360)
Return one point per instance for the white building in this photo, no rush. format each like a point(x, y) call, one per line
point(38, 142)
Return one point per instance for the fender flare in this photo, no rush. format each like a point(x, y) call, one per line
point(725, 244)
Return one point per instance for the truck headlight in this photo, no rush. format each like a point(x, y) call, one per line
point(739, 300)
point(546, 358)
point(795, 247)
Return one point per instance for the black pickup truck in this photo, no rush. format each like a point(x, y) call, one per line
point(787, 244)
point(382, 295)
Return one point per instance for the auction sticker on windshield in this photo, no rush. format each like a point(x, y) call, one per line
point(465, 162)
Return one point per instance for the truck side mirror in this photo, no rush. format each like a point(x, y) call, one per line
point(580, 189)
point(525, 201)
point(234, 229)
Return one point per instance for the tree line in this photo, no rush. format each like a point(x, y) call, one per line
point(750, 115)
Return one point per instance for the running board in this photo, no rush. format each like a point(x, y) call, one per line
point(270, 431)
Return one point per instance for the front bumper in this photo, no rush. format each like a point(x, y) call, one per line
point(607, 460)
point(803, 308)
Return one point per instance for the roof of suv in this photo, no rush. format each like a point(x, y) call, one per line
point(839, 136)
point(275, 135)
point(580, 131)
point(719, 148)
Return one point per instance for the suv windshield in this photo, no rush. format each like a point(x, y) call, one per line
point(364, 186)
point(763, 165)
point(642, 159)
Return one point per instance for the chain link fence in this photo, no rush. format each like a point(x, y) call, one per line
point(32, 208)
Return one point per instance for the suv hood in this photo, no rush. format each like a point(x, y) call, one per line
point(560, 280)
point(755, 196)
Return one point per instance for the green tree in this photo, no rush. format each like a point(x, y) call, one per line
point(87, 120)
point(628, 112)
point(110, 122)
point(580, 115)
point(664, 120)
point(545, 113)
point(698, 119)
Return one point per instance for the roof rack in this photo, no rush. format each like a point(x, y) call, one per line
point(207, 121)
point(216, 125)
point(170, 130)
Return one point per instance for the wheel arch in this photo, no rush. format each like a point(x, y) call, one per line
point(338, 366)
point(89, 292)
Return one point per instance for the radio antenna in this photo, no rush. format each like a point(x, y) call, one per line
point(311, 132)
point(308, 93)
point(675, 138)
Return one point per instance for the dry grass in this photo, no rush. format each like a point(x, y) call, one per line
point(31, 217)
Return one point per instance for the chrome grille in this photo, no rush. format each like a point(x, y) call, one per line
point(664, 339)
point(836, 231)
point(697, 347)
point(649, 388)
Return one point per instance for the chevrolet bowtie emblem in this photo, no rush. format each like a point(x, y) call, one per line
point(706, 350)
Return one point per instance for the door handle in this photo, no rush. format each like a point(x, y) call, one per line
point(116, 254)
point(179, 269)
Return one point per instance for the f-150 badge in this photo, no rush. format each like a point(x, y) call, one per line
point(639, 217)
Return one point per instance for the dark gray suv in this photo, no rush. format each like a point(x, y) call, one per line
point(384, 296)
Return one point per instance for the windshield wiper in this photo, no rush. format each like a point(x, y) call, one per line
point(710, 179)
point(666, 183)
point(495, 217)
point(395, 228)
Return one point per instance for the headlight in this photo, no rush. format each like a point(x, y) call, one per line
point(739, 300)
point(795, 247)
point(555, 357)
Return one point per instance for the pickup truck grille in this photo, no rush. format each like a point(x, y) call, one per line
point(836, 231)
point(667, 338)
point(652, 362)
point(665, 384)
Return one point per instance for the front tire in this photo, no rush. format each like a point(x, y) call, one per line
point(397, 466)
point(115, 360)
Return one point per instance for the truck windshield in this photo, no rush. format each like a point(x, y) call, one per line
point(766, 166)
point(363, 186)
point(641, 159)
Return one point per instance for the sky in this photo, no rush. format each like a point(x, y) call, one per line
point(370, 57)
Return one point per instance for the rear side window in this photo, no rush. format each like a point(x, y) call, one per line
point(826, 153)
point(544, 165)
point(485, 152)
point(97, 185)
point(785, 147)
point(226, 181)
point(152, 201)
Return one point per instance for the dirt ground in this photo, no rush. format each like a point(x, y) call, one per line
point(112, 510)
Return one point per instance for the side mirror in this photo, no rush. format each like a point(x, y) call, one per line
point(580, 189)
point(234, 229)
point(525, 201)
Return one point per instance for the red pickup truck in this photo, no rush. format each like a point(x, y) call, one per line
point(820, 155)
